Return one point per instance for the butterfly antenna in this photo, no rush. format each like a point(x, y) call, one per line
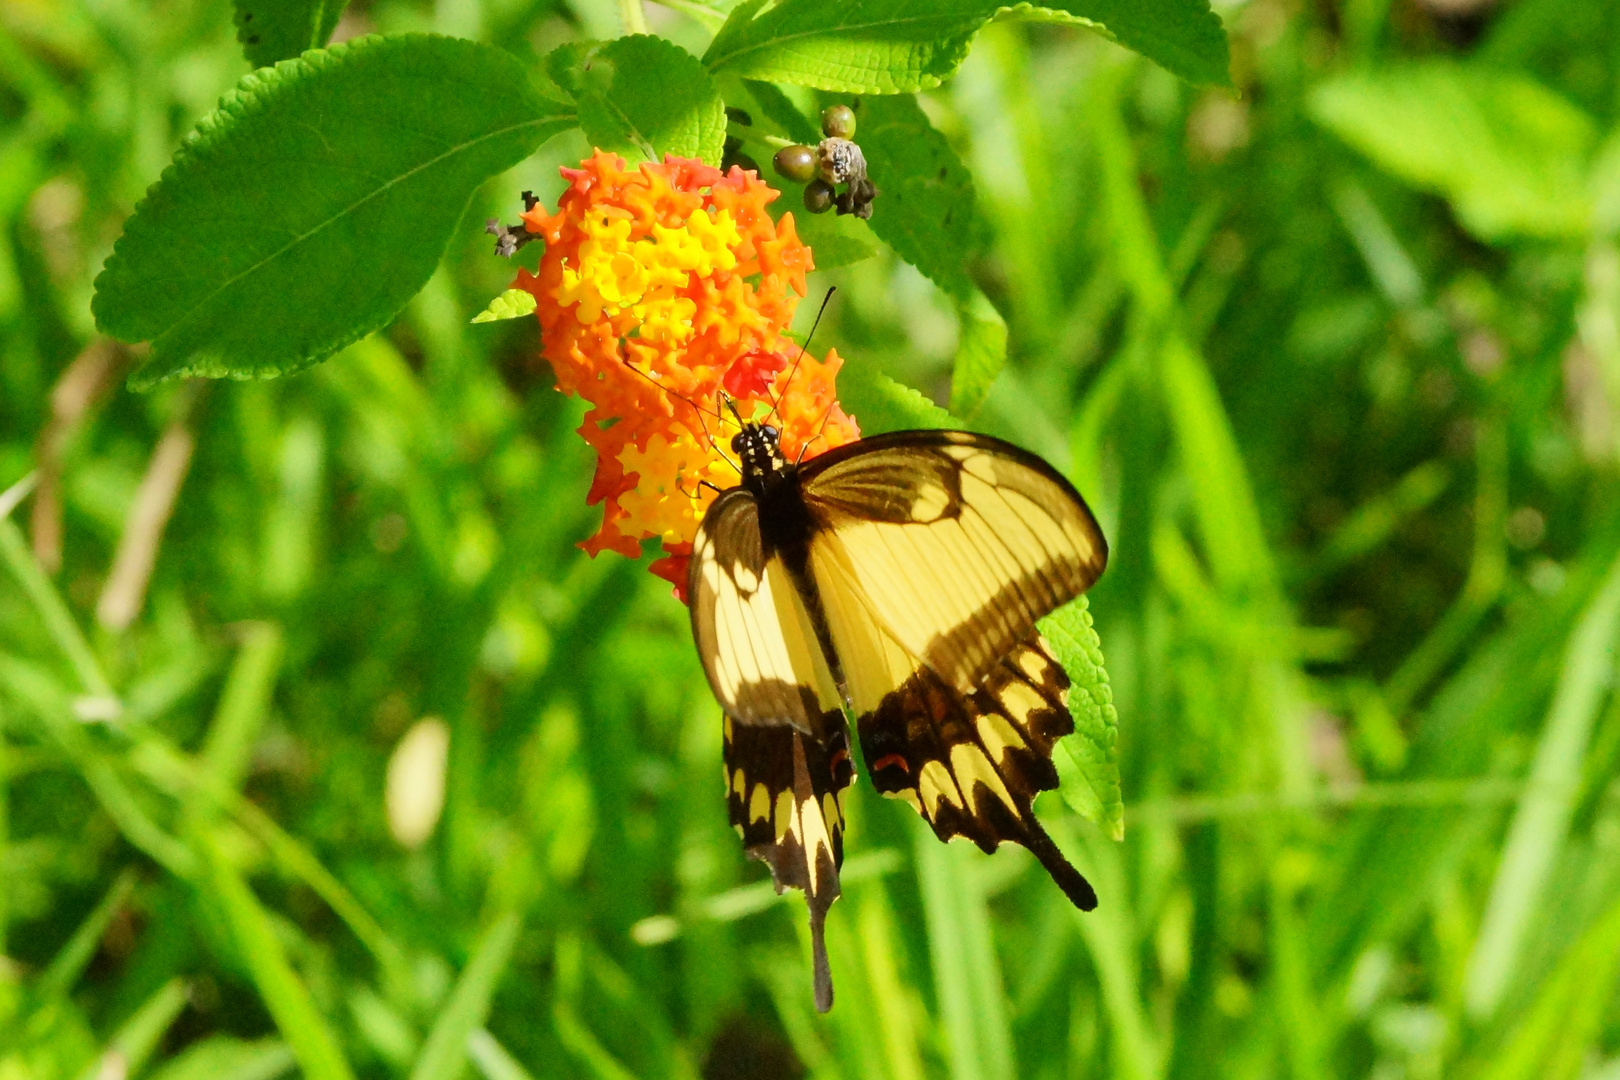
point(695, 408)
point(821, 430)
point(794, 370)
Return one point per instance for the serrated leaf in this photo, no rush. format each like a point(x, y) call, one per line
point(642, 96)
point(305, 211)
point(272, 30)
point(926, 209)
point(901, 46)
point(834, 240)
point(1509, 154)
point(1182, 36)
point(879, 47)
point(981, 352)
point(1088, 770)
point(779, 108)
point(879, 403)
point(511, 304)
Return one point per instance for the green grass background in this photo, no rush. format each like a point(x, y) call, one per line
point(1355, 453)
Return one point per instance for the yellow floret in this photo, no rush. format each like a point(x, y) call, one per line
point(716, 237)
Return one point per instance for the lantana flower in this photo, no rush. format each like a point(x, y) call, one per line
point(663, 288)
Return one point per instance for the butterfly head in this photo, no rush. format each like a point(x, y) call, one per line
point(758, 446)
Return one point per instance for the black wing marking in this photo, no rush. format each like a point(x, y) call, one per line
point(972, 764)
point(785, 792)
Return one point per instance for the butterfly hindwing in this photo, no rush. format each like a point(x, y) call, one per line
point(972, 764)
point(958, 542)
point(785, 791)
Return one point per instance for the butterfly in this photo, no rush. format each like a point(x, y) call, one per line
point(900, 577)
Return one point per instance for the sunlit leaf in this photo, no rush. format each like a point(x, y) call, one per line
point(1088, 768)
point(643, 97)
point(314, 203)
point(271, 31)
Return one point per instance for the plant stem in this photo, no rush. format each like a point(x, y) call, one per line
point(52, 611)
point(747, 134)
point(633, 16)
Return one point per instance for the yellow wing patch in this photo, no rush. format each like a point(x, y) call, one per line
point(753, 634)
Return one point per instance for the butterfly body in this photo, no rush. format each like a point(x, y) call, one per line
point(899, 577)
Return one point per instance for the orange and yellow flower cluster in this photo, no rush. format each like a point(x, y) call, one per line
point(661, 288)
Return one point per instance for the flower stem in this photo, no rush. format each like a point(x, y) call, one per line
point(633, 16)
point(746, 134)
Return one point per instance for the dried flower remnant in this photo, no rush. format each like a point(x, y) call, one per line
point(509, 238)
point(662, 287)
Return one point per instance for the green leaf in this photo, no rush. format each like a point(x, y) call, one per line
point(879, 403)
point(642, 96)
point(272, 30)
point(306, 210)
point(834, 240)
point(779, 108)
point(1509, 154)
point(1088, 770)
point(981, 351)
point(445, 1052)
point(1182, 36)
point(881, 47)
point(926, 209)
point(898, 46)
point(511, 304)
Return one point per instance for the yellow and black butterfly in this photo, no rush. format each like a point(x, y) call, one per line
point(900, 576)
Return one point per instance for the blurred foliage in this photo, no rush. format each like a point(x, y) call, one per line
point(325, 749)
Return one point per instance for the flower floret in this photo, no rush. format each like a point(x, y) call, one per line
point(663, 288)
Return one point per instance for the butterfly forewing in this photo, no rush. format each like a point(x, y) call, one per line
point(753, 633)
point(958, 542)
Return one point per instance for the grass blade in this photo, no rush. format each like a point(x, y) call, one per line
point(220, 1057)
point(243, 705)
point(972, 1003)
point(492, 1059)
point(308, 1035)
point(71, 960)
point(1542, 821)
point(445, 1051)
point(138, 1036)
point(169, 768)
point(52, 611)
point(1553, 1040)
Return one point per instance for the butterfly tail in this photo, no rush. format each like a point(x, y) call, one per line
point(1071, 881)
point(972, 764)
point(785, 791)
